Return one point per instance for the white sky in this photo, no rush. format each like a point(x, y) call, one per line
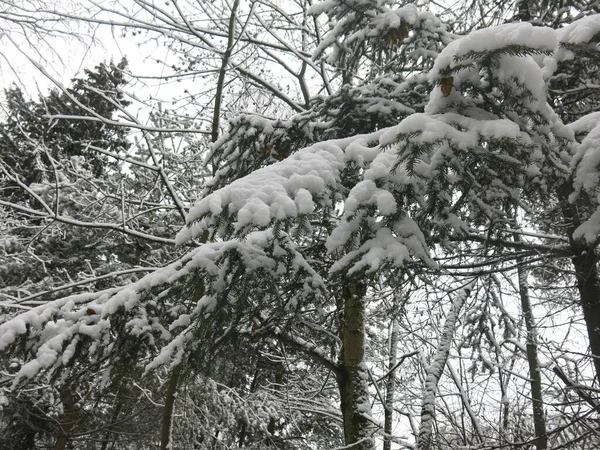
point(65, 58)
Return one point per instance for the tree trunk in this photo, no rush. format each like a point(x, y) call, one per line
point(167, 421)
point(114, 417)
point(29, 442)
point(539, 421)
point(279, 379)
point(585, 262)
point(352, 372)
point(390, 387)
point(244, 425)
point(586, 271)
point(67, 422)
point(436, 369)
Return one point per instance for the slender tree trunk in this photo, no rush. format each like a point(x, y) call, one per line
point(167, 421)
point(588, 284)
point(67, 422)
point(539, 420)
point(352, 373)
point(279, 378)
point(436, 369)
point(390, 387)
point(214, 133)
point(243, 427)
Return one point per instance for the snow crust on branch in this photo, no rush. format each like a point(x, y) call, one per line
point(525, 35)
point(311, 180)
point(432, 128)
point(580, 31)
point(279, 191)
point(54, 328)
point(585, 124)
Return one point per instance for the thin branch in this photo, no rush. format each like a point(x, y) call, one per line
point(578, 388)
point(214, 134)
point(79, 223)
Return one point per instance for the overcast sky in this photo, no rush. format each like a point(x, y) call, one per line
point(65, 57)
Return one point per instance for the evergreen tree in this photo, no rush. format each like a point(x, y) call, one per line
point(31, 137)
point(39, 151)
point(450, 164)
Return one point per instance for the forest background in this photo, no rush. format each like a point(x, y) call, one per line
point(300, 225)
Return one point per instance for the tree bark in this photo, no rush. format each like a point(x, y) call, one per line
point(351, 372)
point(167, 421)
point(244, 425)
point(436, 369)
point(588, 284)
point(390, 388)
point(114, 417)
point(585, 262)
point(539, 420)
point(67, 423)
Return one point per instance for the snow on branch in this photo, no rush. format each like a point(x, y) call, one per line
point(311, 180)
point(355, 22)
point(464, 51)
point(586, 170)
point(585, 124)
point(578, 33)
point(586, 163)
point(159, 314)
point(301, 183)
point(581, 31)
point(500, 66)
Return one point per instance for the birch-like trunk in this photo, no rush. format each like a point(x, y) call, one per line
point(436, 368)
point(390, 387)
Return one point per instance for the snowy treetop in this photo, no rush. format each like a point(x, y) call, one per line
point(412, 156)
